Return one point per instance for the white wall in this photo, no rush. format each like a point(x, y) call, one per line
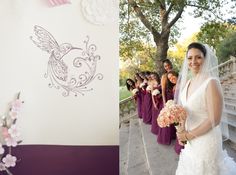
point(47, 116)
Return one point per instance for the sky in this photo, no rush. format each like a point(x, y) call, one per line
point(190, 25)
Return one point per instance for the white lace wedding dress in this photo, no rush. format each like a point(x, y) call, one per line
point(203, 155)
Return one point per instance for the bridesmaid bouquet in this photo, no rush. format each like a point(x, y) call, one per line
point(134, 91)
point(171, 114)
point(142, 85)
point(149, 88)
point(155, 92)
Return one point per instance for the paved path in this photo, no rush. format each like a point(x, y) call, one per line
point(161, 159)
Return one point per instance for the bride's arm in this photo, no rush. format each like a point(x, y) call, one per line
point(214, 101)
point(163, 88)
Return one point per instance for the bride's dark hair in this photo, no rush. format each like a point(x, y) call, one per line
point(199, 46)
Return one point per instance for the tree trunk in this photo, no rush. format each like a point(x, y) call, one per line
point(161, 51)
point(160, 39)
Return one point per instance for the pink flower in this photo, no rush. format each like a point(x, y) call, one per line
point(13, 114)
point(2, 167)
point(58, 2)
point(11, 141)
point(9, 160)
point(170, 114)
point(16, 105)
point(5, 132)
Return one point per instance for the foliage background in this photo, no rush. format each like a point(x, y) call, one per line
point(138, 51)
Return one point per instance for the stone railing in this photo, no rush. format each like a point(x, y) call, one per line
point(127, 107)
point(227, 73)
point(227, 68)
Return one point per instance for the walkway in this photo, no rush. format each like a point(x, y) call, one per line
point(140, 154)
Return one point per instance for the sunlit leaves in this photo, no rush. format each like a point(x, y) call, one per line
point(227, 47)
point(212, 33)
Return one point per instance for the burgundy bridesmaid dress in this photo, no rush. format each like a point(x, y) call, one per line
point(147, 107)
point(139, 102)
point(178, 147)
point(156, 110)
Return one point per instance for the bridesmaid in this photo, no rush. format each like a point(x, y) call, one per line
point(173, 77)
point(142, 88)
point(157, 102)
point(147, 98)
point(165, 135)
point(130, 84)
point(166, 92)
point(138, 82)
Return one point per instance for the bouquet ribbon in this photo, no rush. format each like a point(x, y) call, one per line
point(53, 3)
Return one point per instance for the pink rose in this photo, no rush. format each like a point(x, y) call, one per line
point(5, 132)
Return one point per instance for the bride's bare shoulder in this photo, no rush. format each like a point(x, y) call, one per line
point(213, 85)
point(213, 81)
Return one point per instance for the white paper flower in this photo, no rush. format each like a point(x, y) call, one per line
point(155, 92)
point(149, 88)
point(100, 12)
point(141, 85)
point(13, 131)
point(10, 141)
point(1, 149)
point(2, 167)
point(134, 91)
point(9, 160)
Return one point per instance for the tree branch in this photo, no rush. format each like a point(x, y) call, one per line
point(198, 6)
point(205, 8)
point(143, 18)
point(161, 4)
point(168, 10)
point(177, 16)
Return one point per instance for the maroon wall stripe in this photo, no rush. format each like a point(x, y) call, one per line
point(66, 160)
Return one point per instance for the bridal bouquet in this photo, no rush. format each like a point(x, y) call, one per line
point(171, 114)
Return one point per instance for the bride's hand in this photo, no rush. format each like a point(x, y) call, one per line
point(181, 143)
point(182, 136)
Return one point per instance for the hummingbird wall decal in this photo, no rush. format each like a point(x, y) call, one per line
point(70, 68)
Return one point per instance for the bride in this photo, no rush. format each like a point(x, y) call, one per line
point(199, 91)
